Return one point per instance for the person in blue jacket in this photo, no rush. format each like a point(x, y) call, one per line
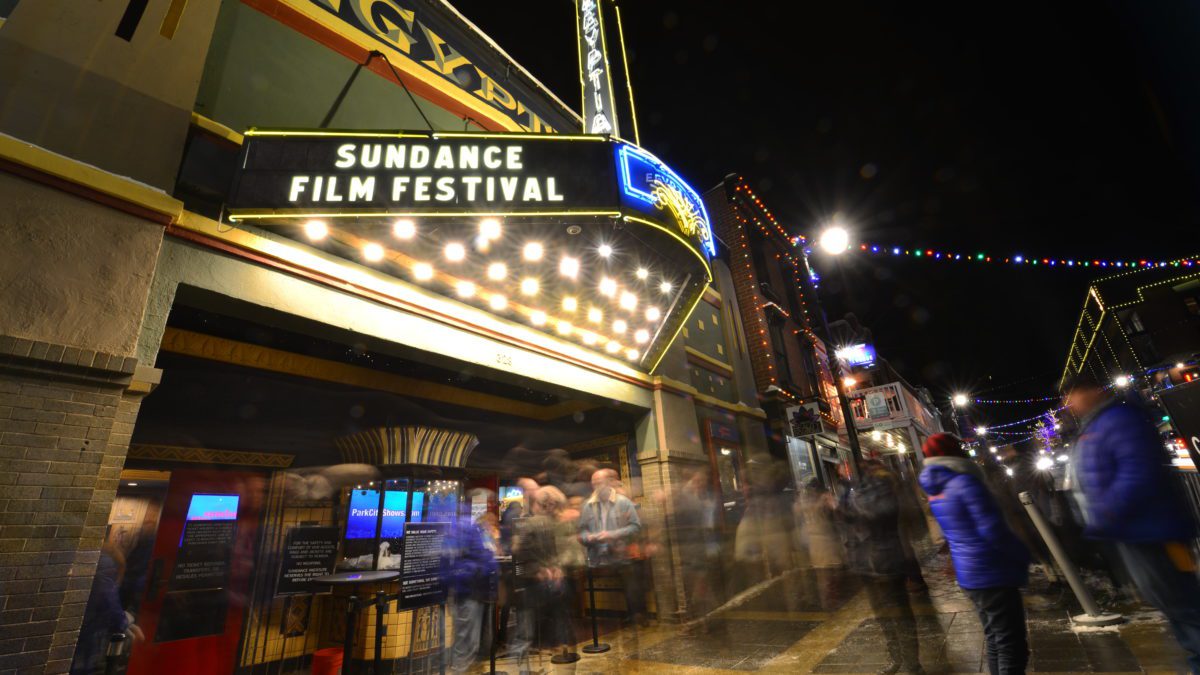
point(469, 571)
point(1122, 479)
point(990, 562)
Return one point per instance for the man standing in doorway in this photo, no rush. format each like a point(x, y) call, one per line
point(607, 526)
point(1128, 496)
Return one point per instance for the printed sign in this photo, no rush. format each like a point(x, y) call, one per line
point(877, 405)
point(308, 553)
point(420, 572)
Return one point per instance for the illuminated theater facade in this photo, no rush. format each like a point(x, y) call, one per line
point(295, 238)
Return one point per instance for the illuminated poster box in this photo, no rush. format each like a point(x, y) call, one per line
point(587, 238)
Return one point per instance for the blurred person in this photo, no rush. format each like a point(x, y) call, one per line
point(991, 564)
point(1127, 495)
point(694, 518)
point(549, 550)
point(469, 572)
point(819, 537)
point(103, 616)
point(608, 523)
point(871, 510)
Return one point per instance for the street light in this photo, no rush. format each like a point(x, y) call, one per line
point(982, 431)
point(960, 400)
point(849, 382)
point(835, 239)
point(1121, 381)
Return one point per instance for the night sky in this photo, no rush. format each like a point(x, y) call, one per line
point(1045, 129)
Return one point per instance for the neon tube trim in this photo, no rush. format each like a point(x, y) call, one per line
point(625, 177)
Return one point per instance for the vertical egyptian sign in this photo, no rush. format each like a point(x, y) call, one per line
point(599, 103)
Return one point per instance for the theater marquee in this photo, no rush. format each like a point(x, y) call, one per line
point(587, 238)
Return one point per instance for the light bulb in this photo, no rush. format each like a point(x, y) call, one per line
point(455, 251)
point(404, 229)
point(665, 287)
point(608, 287)
point(372, 252)
point(619, 326)
point(641, 335)
point(423, 271)
point(537, 317)
point(612, 347)
point(642, 273)
point(628, 301)
point(497, 271)
point(568, 267)
point(652, 314)
point(604, 250)
point(489, 228)
point(631, 354)
point(532, 252)
point(316, 229)
point(564, 328)
point(497, 302)
point(465, 289)
point(570, 304)
point(589, 338)
point(529, 286)
point(595, 315)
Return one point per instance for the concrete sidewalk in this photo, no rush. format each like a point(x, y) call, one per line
point(791, 627)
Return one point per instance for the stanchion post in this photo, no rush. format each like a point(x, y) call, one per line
point(348, 641)
point(1092, 615)
point(381, 605)
point(491, 614)
point(596, 647)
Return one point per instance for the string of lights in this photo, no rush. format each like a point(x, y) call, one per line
point(1027, 420)
point(1006, 401)
point(1017, 259)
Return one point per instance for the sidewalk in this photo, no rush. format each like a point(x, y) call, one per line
point(783, 631)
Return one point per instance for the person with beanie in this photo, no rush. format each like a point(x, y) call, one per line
point(990, 562)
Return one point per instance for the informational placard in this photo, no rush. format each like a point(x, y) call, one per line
point(308, 552)
point(1183, 405)
point(204, 555)
point(420, 573)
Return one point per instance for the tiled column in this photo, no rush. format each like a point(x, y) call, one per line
point(66, 416)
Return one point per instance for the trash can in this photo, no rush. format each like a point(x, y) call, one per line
point(327, 661)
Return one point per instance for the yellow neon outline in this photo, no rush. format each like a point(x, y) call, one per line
point(688, 315)
point(540, 137)
point(255, 131)
point(612, 98)
point(582, 86)
point(628, 82)
point(260, 214)
point(686, 243)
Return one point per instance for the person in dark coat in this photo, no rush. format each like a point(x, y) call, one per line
point(990, 562)
point(1122, 478)
point(877, 555)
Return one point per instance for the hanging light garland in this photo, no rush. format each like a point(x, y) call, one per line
point(1027, 420)
point(1019, 260)
point(1005, 401)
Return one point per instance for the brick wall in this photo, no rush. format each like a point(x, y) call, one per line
point(65, 422)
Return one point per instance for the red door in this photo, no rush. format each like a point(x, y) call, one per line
point(200, 574)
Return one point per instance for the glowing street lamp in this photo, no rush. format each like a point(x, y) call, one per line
point(835, 240)
point(1121, 381)
point(960, 400)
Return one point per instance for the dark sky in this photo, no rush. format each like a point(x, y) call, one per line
point(1044, 129)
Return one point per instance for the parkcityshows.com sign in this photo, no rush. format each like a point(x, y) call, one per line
point(302, 173)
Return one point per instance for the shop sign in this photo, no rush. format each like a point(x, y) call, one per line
point(805, 420)
point(409, 31)
point(599, 103)
point(877, 406)
point(856, 355)
point(720, 431)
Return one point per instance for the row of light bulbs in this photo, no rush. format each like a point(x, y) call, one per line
point(489, 230)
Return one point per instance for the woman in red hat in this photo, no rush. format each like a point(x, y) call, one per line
point(990, 562)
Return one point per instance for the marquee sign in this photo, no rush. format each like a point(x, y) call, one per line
point(586, 237)
point(599, 102)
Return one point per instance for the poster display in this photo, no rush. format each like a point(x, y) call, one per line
point(420, 572)
point(309, 552)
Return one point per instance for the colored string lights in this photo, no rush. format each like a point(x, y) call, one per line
point(1004, 401)
point(1018, 259)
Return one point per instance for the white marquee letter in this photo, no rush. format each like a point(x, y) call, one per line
point(345, 156)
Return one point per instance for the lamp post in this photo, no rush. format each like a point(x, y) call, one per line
point(836, 240)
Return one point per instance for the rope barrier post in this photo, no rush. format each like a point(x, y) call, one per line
point(597, 647)
point(381, 608)
point(1092, 616)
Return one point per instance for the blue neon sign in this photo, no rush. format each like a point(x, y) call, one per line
point(651, 185)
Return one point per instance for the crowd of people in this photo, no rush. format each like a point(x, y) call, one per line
point(870, 528)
